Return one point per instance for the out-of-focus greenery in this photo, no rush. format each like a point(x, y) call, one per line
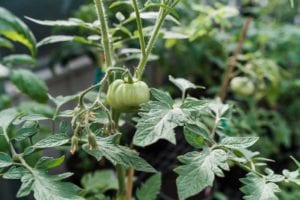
point(270, 57)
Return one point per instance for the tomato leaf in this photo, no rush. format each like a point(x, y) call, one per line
point(168, 8)
point(6, 43)
point(5, 160)
point(193, 139)
point(49, 163)
point(118, 154)
point(258, 188)
point(182, 83)
point(7, 116)
point(200, 168)
point(158, 120)
point(26, 187)
point(239, 142)
point(52, 141)
point(162, 96)
point(71, 22)
point(100, 180)
point(63, 38)
point(153, 16)
point(19, 59)
point(60, 100)
point(31, 107)
point(14, 29)
point(150, 189)
point(292, 176)
point(30, 84)
point(15, 173)
point(46, 187)
point(26, 132)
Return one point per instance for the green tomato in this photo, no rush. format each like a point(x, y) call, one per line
point(127, 97)
point(242, 86)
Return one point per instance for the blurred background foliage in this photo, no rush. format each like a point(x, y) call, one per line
point(270, 58)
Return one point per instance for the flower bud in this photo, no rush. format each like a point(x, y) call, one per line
point(92, 141)
point(74, 144)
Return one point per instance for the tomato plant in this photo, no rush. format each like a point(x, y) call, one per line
point(94, 125)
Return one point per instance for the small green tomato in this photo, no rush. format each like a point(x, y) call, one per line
point(242, 86)
point(127, 97)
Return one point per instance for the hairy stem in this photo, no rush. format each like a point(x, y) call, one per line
point(83, 93)
point(15, 155)
point(12, 149)
point(248, 169)
point(140, 28)
point(232, 62)
point(104, 32)
point(120, 169)
point(141, 66)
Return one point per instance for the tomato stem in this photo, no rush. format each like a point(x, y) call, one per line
point(143, 61)
point(104, 32)
point(140, 28)
point(119, 168)
point(121, 181)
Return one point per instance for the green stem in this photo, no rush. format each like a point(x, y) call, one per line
point(12, 149)
point(120, 169)
point(140, 28)
point(246, 168)
point(121, 181)
point(83, 93)
point(141, 67)
point(104, 32)
point(15, 154)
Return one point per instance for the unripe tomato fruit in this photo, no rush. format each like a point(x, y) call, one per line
point(242, 86)
point(127, 97)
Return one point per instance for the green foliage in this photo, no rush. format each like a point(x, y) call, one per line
point(30, 84)
point(117, 154)
point(100, 181)
point(19, 59)
point(158, 121)
point(200, 169)
point(14, 29)
point(49, 187)
point(219, 133)
point(47, 163)
point(239, 142)
point(5, 160)
point(52, 141)
point(259, 188)
point(27, 131)
point(7, 116)
point(150, 189)
point(6, 43)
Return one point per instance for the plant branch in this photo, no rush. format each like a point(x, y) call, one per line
point(15, 155)
point(104, 32)
point(141, 66)
point(12, 149)
point(140, 27)
point(246, 168)
point(119, 168)
point(84, 92)
point(233, 59)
